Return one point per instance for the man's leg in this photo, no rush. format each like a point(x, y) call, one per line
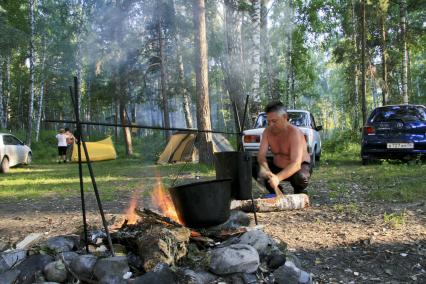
point(299, 181)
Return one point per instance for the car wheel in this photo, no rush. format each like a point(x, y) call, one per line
point(29, 159)
point(4, 166)
point(318, 156)
point(313, 159)
point(365, 161)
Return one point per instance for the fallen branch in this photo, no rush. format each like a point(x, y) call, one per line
point(283, 202)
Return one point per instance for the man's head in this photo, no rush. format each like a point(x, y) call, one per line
point(276, 114)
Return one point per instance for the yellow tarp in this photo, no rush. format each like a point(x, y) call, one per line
point(98, 151)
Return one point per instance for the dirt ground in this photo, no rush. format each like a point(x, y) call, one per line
point(339, 241)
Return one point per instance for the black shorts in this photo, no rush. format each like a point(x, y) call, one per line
point(62, 150)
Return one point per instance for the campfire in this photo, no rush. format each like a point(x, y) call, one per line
point(154, 246)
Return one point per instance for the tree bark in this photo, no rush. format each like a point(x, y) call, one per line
point(2, 122)
point(355, 98)
point(6, 95)
point(266, 64)
point(363, 75)
point(41, 97)
point(163, 77)
point(403, 23)
point(126, 130)
point(205, 147)
point(255, 88)
point(385, 88)
point(32, 74)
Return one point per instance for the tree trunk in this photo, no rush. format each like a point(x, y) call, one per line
point(164, 94)
point(289, 65)
point(385, 88)
point(234, 61)
point(182, 85)
point(266, 65)
point(126, 130)
point(6, 94)
point(32, 73)
point(40, 100)
point(403, 15)
point(355, 39)
point(2, 115)
point(255, 88)
point(205, 147)
point(363, 81)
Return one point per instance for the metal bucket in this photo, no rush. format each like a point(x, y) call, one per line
point(202, 204)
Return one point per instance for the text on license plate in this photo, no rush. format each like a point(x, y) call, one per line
point(400, 145)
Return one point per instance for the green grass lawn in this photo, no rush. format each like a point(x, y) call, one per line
point(339, 172)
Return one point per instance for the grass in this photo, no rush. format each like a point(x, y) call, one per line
point(394, 220)
point(340, 172)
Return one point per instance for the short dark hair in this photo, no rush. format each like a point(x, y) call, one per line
point(275, 106)
point(67, 129)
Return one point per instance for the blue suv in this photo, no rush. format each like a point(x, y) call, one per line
point(394, 132)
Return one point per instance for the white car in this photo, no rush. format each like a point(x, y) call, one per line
point(13, 152)
point(301, 118)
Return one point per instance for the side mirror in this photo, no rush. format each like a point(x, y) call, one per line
point(318, 128)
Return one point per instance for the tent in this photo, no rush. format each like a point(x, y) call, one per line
point(98, 151)
point(180, 147)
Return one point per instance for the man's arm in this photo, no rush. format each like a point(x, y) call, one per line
point(261, 155)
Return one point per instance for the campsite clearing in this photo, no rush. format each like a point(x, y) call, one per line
point(348, 229)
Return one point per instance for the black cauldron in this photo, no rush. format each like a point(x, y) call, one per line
point(202, 204)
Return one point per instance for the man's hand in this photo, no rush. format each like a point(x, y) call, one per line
point(274, 181)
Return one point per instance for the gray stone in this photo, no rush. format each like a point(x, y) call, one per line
point(67, 257)
point(62, 243)
point(242, 278)
point(290, 274)
point(259, 240)
point(116, 265)
point(11, 258)
point(236, 220)
point(112, 279)
point(164, 276)
point(9, 277)
point(190, 276)
point(3, 245)
point(233, 259)
point(31, 268)
point(55, 271)
point(275, 259)
point(83, 265)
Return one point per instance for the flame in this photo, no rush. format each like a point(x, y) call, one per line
point(131, 216)
point(163, 201)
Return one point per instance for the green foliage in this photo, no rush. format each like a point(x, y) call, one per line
point(342, 142)
point(395, 220)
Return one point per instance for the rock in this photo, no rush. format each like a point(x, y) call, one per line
point(31, 268)
point(67, 257)
point(259, 240)
point(9, 277)
point(11, 258)
point(290, 274)
point(233, 259)
point(160, 274)
point(294, 259)
point(83, 265)
point(62, 243)
point(236, 220)
point(190, 276)
point(112, 279)
point(276, 259)
point(116, 265)
point(242, 278)
point(3, 246)
point(55, 271)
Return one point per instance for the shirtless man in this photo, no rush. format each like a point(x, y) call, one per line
point(291, 161)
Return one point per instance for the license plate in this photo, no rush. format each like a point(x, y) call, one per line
point(400, 145)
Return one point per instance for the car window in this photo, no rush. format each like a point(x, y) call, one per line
point(313, 125)
point(399, 113)
point(298, 118)
point(10, 140)
point(261, 121)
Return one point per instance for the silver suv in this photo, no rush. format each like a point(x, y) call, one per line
point(303, 119)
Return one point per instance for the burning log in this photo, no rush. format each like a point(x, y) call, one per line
point(284, 202)
point(156, 238)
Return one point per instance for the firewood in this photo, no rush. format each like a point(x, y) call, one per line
point(284, 202)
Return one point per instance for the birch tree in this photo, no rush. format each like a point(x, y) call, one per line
point(32, 73)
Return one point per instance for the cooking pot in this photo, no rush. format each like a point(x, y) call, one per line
point(202, 204)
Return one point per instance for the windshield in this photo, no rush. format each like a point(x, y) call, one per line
point(406, 113)
point(295, 118)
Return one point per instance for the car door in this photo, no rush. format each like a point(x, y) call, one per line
point(20, 149)
point(317, 137)
point(11, 150)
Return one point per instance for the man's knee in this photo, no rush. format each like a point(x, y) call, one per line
point(301, 179)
